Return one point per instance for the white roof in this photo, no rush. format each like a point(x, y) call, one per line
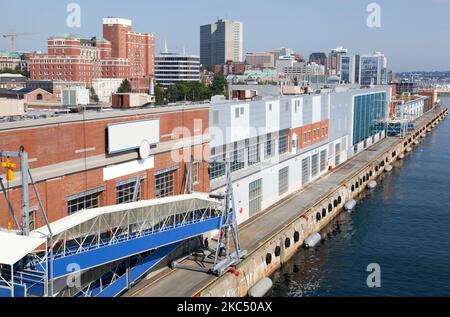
point(82, 216)
point(14, 247)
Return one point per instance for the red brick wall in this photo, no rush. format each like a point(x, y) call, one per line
point(315, 133)
point(57, 143)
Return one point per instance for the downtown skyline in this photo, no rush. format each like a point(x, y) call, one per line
point(305, 26)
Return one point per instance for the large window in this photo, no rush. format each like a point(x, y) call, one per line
point(125, 191)
point(164, 184)
point(283, 180)
point(86, 200)
point(269, 149)
point(369, 116)
point(323, 160)
point(306, 170)
point(283, 146)
point(253, 154)
point(315, 165)
point(237, 160)
point(255, 197)
point(217, 166)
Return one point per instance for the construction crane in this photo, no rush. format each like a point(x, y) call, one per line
point(13, 35)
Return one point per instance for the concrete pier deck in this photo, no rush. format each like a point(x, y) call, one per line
point(183, 283)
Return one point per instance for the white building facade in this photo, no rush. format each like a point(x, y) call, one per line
point(373, 69)
point(279, 145)
point(105, 87)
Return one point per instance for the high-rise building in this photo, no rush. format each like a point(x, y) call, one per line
point(171, 68)
point(334, 59)
point(349, 69)
point(319, 58)
point(220, 42)
point(373, 69)
point(138, 47)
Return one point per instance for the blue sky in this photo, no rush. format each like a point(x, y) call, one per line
point(414, 34)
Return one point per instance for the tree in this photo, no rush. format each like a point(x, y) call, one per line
point(160, 98)
point(219, 85)
point(93, 95)
point(125, 87)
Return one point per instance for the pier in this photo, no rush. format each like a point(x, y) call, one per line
point(275, 235)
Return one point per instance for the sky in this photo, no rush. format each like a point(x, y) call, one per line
point(414, 34)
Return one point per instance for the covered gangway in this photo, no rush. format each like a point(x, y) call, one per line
point(95, 237)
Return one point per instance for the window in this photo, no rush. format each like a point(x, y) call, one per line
point(323, 160)
point(283, 144)
point(337, 152)
point(255, 197)
point(253, 154)
point(305, 170)
point(164, 184)
point(32, 219)
point(238, 161)
point(315, 165)
point(236, 113)
point(217, 167)
point(283, 180)
point(87, 200)
point(195, 172)
point(125, 191)
point(269, 147)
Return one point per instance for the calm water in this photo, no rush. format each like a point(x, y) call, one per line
point(403, 225)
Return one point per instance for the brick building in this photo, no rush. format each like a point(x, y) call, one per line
point(74, 165)
point(137, 47)
point(122, 53)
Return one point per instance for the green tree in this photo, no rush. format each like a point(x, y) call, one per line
point(219, 85)
point(160, 97)
point(125, 87)
point(93, 95)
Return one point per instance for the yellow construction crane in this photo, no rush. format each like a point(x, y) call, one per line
point(13, 35)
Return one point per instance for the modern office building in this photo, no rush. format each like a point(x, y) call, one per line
point(373, 69)
point(334, 60)
point(349, 69)
point(220, 42)
point(171, 68)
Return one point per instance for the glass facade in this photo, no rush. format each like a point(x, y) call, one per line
point(369, 116)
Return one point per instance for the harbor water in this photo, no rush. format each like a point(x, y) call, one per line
point(401, 227)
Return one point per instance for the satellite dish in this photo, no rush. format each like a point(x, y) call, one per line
point(144, 150)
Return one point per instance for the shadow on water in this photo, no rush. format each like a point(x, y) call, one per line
point(402, 225)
